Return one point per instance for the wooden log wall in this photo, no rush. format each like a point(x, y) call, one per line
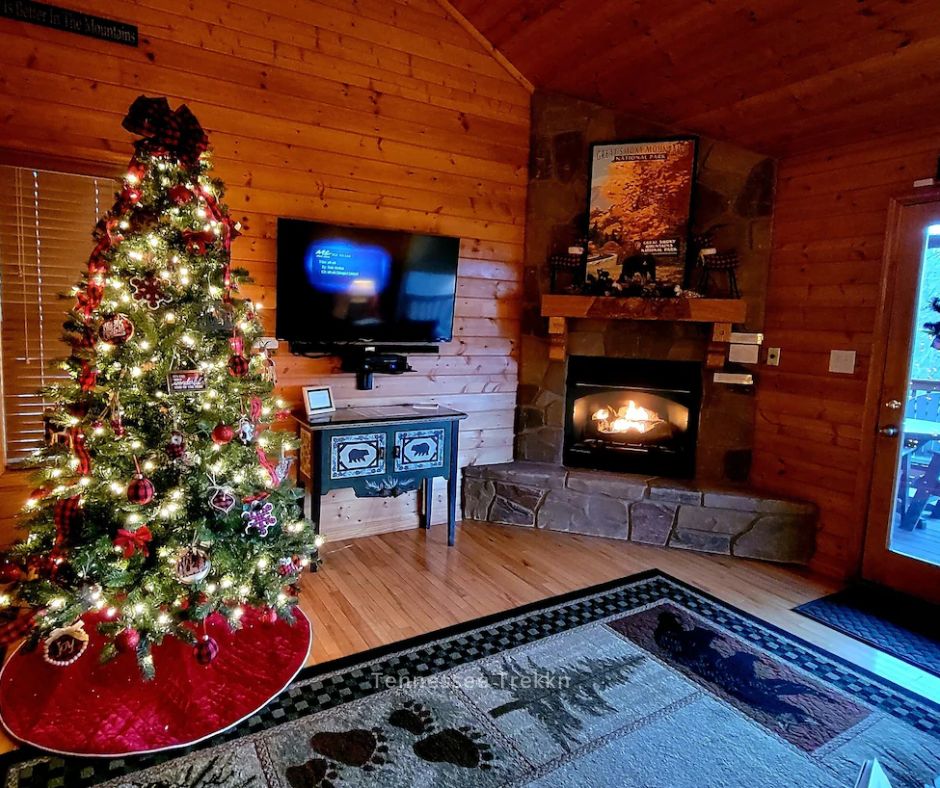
point(829, 228)
point(383, 113)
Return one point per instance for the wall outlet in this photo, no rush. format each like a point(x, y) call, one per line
point(773, 357)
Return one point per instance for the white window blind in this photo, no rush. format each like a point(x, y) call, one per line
point(46, 221)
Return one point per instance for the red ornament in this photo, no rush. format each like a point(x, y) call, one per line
point(180, 195)
point(117, 425)
point(10, 572)
point(140, 490)
point(206, 650)
point(39, 493)
point(198, 240)
point(222, 434)
point(130, 195)
point(42, 566)
point(137, 170)
point(127, 640)
point(222, 500)
point(176, 448)
point(238, 366)
point(116, 329)
point(287, 567)
point(87, 377)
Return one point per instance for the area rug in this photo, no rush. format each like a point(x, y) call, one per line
point(642, 682)
point(904, 626)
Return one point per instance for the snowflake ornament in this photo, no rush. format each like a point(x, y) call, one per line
point(148, 290)
point(259, 518)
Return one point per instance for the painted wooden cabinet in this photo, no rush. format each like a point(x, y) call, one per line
point(380, 452)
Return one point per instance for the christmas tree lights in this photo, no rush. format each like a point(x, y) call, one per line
point(163, 495)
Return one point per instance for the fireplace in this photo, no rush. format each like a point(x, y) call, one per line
point(630, 415)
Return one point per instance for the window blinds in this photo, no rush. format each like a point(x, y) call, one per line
point(46, 221)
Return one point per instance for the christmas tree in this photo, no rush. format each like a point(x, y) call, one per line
point(163, 494)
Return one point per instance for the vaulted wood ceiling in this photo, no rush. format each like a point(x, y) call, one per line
point(777, 76)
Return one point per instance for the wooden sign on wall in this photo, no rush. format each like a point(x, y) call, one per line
point(69, 21)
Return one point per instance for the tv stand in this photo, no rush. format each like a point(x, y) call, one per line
point(367, 360)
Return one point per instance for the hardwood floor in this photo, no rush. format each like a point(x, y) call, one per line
point(380, 589)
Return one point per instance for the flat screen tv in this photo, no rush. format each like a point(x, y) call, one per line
point(338, 285)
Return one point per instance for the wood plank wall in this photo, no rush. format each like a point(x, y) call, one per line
point(383, 113)
point(829, 228)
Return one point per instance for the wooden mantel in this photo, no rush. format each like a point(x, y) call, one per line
point(720, 312)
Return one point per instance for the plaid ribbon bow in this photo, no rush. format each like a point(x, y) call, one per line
point(67, 516)
point(166, 131)
point(18, 627)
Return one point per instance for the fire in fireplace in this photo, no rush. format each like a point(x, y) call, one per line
point(632, 415)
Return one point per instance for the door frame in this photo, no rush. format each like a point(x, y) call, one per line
point(876, 562)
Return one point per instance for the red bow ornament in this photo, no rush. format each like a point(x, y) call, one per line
point(197, 241)
point(133, 541)
point(87, 377)
point(180, 195)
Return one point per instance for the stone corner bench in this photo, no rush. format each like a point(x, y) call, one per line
point(664, 512)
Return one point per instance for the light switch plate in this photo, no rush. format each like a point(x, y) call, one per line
point(842, 361)
point(743, 354)
point(773, 357)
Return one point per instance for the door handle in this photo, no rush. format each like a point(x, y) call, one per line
point(893, 404)
point(889, 431)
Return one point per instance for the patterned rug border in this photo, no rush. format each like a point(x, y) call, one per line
point(348, 664)
point(445, 633)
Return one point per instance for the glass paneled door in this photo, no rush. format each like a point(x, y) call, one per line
point(902, 546)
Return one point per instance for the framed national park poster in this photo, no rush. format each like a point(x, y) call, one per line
point(639, 212)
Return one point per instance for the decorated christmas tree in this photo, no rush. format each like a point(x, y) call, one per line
point(163, 494)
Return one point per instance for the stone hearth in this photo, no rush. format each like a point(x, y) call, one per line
point(654, 511)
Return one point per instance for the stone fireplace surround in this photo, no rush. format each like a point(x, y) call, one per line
point(715, 513)
point(652, 511)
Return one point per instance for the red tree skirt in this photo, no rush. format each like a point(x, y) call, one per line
point(93, 709)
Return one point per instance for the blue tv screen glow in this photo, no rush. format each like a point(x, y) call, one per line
point(346, 284)
point(341, 266)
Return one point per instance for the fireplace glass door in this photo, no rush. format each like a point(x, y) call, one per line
point(632, 415)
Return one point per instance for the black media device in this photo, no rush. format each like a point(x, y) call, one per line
point(367, 295)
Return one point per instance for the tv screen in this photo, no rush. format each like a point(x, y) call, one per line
point(349, 284)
